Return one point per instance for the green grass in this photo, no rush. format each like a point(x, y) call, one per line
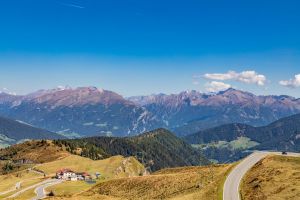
point(241, 143)
point(69, 188)
point(29, 194)
point(107, 167)
point(8, 181)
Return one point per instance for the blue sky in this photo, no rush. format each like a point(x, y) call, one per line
point(141, 47)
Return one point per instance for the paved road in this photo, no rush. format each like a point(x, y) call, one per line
point(40, 190)
point(31, 187)
point(232, 183)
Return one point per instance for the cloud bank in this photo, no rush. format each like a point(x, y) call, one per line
point(216, 86)
point(292, 83)
point(249, 77)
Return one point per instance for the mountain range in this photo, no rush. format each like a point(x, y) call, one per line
point(89, 111)
point(83, 111)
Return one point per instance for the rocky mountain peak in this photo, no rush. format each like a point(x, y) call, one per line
point(67, 96)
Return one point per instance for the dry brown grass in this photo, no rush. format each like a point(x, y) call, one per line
point(94, 197)
point(178, 183)
point(8, 181)
point(115, 166)
point(273, 178)
point(36, 151)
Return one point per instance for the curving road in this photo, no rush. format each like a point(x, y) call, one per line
point(32, 187)
point(232, 183)
point(40, 190)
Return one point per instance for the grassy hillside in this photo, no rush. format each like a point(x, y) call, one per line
point(116, 166)
point(12, 131)
point(273, 178)
point(47, 157)
point(30, 153)
point(110, 168)
point(156, 149)
point(185, 183)
point(8, 181)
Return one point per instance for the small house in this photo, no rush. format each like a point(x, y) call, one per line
point(66, 174)
point(83, 176)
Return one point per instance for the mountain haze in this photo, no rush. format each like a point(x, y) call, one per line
point(12, 131)
point(89, 111)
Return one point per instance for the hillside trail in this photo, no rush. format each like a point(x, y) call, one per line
point(17, 186)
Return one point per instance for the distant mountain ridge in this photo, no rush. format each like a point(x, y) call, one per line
point(12, 131)
point(281, 135)
point(88, 111)
point(82, 111)
point(156, 149)
point(192, 111)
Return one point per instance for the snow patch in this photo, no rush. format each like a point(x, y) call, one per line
point(24, 123)
point(7, 91)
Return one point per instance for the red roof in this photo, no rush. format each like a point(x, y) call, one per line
point(84, 173)
point(64, 171)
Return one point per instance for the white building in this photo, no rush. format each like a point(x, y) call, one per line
point(69, 175)
point(66, 174)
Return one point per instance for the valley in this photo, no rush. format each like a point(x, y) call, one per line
point(232, 142)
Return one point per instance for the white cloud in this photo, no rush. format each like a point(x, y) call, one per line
point(222, 77)
point(292, 83)
point(216, 86)
point(249, 77)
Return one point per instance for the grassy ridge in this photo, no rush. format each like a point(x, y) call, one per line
point(155, 149)
point(27, 154)
point(275, 177)
point(185, 183)
point(116, 166)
